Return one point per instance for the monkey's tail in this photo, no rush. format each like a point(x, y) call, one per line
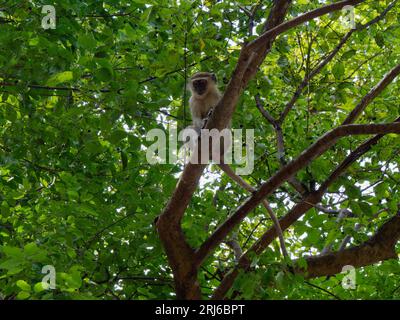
point(228, 170)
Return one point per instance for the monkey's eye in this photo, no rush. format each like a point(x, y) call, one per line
point(200, 82)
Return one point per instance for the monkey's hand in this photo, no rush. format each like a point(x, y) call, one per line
point(205, 120)
point(209, 113)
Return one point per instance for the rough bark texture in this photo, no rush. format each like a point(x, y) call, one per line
point(378, 248)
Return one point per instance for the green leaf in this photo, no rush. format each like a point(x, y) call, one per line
point(338, 70)
point(12, 251)
point(61, 77)
point(86, 41)
point(23, 285)
point(40, 287)
point(380, 40)
point(283, 61)
point(103, 74)
point(146, 14)
point(117, 135)
point(365, 208)
point(23, 295)
point(13, 266)
point(353, 191)
point(348, 54)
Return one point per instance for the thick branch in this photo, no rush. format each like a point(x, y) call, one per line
point(379, 247)
point(179, 253)
point(293, 215)
point(307, 203)
point(315, 150)
point(275, 18)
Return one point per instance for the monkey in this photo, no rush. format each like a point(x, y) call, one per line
point(205, 96)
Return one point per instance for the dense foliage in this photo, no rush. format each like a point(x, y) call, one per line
point(76, 102)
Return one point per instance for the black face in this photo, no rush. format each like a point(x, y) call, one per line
point(200, 86)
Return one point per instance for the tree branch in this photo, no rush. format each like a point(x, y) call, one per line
point(312, 74)
point(379, 247)
point(293, 215)
point(272, 33)
point(315, 150)
point(180, 254)
point(296, 184)
point(388, 78)
point(329, 58)
point(227, 169)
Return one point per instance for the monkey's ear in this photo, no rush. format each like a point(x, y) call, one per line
point(214, 77)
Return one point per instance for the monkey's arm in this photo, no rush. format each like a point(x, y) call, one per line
point(197, 119)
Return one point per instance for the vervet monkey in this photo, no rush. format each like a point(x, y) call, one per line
point(205, 96)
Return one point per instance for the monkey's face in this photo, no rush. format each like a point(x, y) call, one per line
point(200, 86)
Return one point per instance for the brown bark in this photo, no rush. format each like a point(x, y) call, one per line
point(319, 147)
point(179, 253)
point(293, 215)
point(379, 247)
